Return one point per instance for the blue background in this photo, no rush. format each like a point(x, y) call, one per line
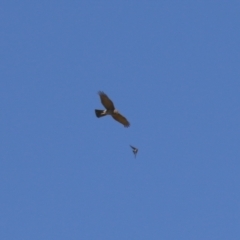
point(172, 68)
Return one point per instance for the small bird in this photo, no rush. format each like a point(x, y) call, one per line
point(135, 150)
point(110, 110)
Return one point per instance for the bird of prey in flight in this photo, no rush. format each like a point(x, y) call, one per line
point(135, 150)
point(110, 110)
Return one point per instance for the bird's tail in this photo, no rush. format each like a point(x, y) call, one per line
point(100, 113)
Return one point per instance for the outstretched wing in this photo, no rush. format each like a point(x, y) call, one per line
point(106, 101)
point(118, 117)
point(133, 147)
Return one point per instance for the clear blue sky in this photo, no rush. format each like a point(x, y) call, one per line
point(172, 68)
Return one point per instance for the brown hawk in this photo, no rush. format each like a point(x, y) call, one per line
point(135, 150)
point(110, 110)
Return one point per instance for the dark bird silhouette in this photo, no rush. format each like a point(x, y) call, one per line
point(135, 150)
point(110, 110)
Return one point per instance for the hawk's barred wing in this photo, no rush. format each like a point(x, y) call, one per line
point(118, 117)
point(106, 101)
